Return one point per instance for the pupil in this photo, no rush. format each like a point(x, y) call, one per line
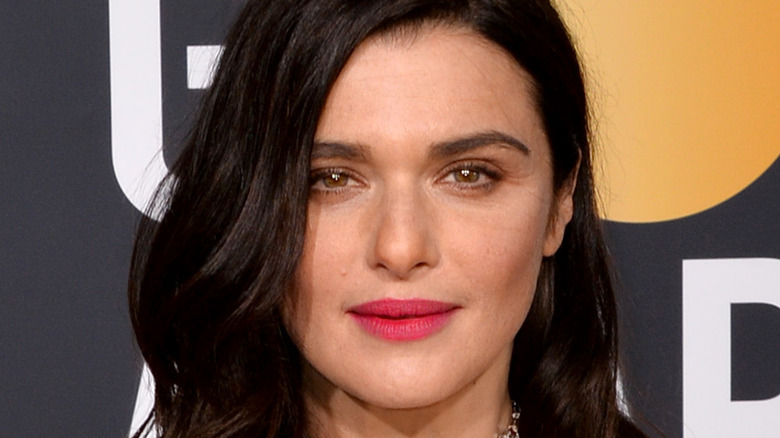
point(468, 175)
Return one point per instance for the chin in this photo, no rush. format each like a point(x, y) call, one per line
point(413, 382)
point(411, 397)
point(389, 383)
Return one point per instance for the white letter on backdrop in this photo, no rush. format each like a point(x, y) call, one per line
point(709, 289)
point(136, 98)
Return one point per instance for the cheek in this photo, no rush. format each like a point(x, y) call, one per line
point(508, 263)
point(323, 272)
point(501, 234)
point(500, 254)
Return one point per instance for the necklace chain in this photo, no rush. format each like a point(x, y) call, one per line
point(511, 431)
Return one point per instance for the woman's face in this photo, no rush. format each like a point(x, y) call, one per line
point(431, 208)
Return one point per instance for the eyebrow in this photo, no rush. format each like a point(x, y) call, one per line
point(330, 149)
point(334, 149)
point(475, 141)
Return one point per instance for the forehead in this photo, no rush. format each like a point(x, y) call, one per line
point(434, 83)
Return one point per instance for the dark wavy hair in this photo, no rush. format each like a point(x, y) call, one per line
point(207, 282)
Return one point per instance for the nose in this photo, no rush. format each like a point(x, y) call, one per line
point(404, 241)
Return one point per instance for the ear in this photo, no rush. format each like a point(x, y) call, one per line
point(561, 213)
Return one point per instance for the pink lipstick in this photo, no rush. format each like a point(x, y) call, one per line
point(402, 320)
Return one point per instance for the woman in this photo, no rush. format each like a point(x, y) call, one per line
point(383, 224)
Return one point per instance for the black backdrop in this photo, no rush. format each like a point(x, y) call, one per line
point(68, 366)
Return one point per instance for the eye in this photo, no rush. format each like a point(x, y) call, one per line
point(466, 175)
point(334, 180)
point(470, 174)
point(330, 180)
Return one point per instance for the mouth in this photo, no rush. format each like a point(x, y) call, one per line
point(402, 320)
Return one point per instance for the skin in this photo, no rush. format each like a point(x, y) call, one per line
point(397, 211)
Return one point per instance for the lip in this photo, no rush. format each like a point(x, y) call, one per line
point(402, 320)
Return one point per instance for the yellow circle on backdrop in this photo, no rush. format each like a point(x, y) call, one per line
point(686, 97)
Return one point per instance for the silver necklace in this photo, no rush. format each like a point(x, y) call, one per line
point(511, 431)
